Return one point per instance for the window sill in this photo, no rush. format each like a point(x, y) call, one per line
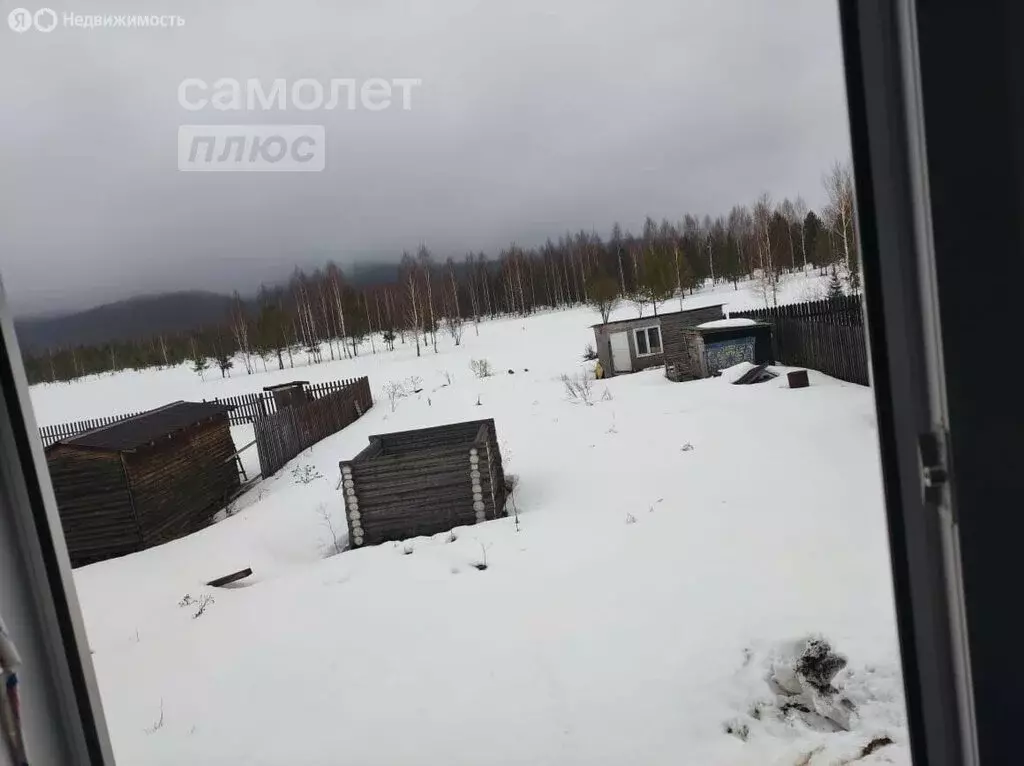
point(645, 356)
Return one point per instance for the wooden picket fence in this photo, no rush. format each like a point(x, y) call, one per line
point(248, 408)
point(282, 435)
point(52, 434)
point(824, 335)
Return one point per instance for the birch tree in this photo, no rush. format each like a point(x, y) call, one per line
point(838, 182)
point(767, 277)
point(411, 285)
point(240, 330)
point(427, 269)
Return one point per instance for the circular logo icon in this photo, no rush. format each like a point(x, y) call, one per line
point(20, 20)
point(45, 20)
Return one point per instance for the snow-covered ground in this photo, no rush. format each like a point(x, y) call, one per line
point(672, 537)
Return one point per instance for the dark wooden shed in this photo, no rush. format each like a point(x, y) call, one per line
point(143, 481)
point(700, 352)
point(422, 482)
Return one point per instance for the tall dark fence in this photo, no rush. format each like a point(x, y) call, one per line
point(248, 408)
point(283, 434)
point(824, 335)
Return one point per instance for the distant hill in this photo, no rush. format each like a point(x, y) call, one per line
point(147, 315)
point(130, 319)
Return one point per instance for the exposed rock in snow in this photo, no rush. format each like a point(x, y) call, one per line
point(802, 678)
point(809, 695)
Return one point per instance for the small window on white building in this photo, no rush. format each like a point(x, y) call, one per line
point(647, 341)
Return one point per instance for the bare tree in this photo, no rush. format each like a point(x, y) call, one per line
point(800, 211)
point(707, 240)
point(738, 231)
point(768, 282)
point(639, 296)
point(427, 268)
point(410, 281)
point(838, 182)
point(474, 298)
point(453, 321)
point(240, 331)
point(603, 294)
point(336, 280)
point(369, 322)
point(788, 212)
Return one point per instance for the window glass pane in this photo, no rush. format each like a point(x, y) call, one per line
point(444, 246)
point(641, 342)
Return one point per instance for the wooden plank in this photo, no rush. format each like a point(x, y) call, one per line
point(230, 578)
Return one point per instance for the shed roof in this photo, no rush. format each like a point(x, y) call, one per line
point(133, 432)
point(717, 329)
point(654, 317)
point(290, 384)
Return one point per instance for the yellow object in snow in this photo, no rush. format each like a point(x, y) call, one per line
point(598, 371)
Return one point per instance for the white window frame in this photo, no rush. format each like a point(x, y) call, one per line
point(645, 330)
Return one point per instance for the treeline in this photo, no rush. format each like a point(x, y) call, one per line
point(321, 316)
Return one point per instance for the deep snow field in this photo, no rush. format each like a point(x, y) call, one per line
point(671, 537)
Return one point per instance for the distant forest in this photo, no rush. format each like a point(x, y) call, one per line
point(323, 315)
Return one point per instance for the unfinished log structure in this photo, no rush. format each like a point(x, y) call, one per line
point(423, 482)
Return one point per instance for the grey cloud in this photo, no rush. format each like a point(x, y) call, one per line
point(533, 118)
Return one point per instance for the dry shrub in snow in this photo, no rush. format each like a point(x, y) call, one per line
point(481, 368)
point(159, 723)
point(511, 482)
point(306, 474)
point(394, 390)
point(201, 603)
point(579, 388)
point(589, 355)
point(481, 565)
point(337, 541)
point(455, 326)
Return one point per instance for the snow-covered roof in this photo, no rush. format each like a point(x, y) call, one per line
point(718, 323)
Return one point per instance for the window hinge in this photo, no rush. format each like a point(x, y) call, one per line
point(934, 467)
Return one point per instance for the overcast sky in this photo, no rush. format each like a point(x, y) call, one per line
point(534, 117)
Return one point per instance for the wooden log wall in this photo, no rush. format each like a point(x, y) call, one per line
point(178, 486)
point(423, 482)
point(95, 506)
point(284, 434)
point(683, 353)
